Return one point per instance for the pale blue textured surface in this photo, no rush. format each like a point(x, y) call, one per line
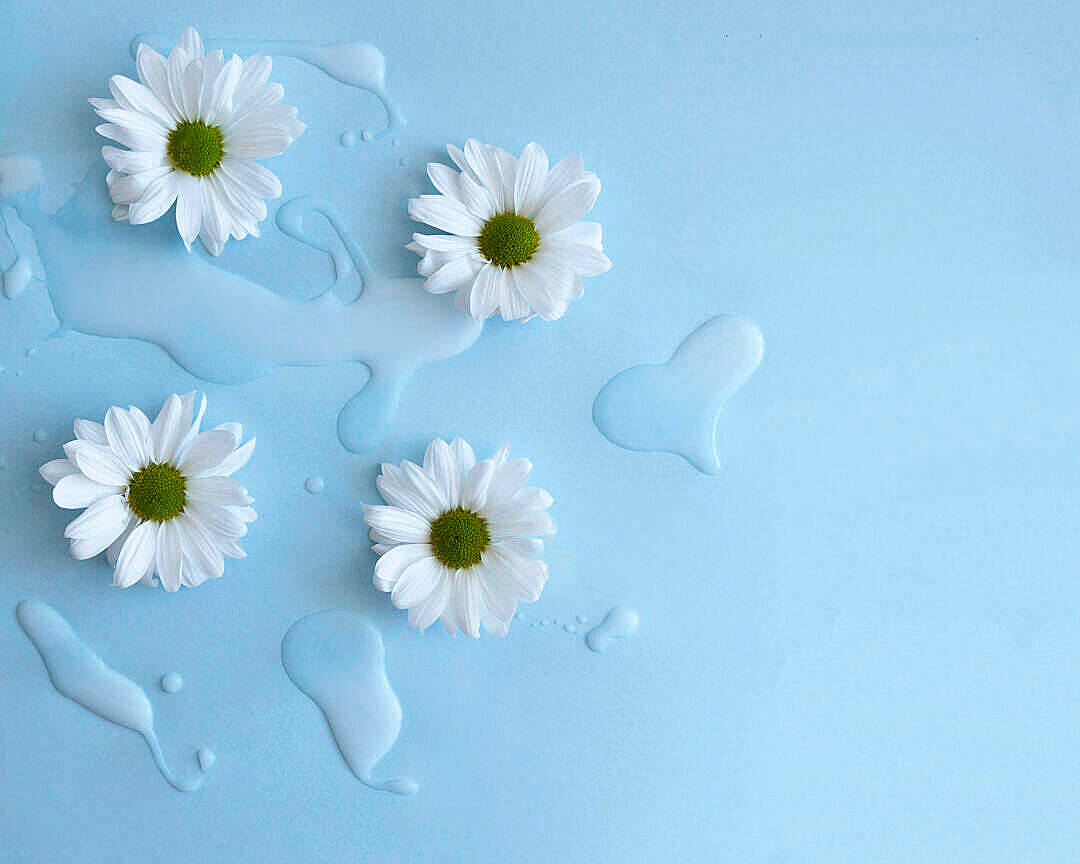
point(858, 641)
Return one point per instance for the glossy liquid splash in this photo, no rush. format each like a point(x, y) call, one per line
point(355, 64)
point(80, 675)
point(337, 659)
point(620, 623)
point(675, 407)
point(112, 279)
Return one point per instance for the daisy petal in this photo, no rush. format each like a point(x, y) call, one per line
point(100, 464)
point(484, 299)
point(205, 453)
point(496, 626)
point(157, 198)
point(56, 470)
point(463, 453)
point(136, 555)
point(474, 492)
point(237, 460)
point(508, 480)
point(397, 525)
point(397, 491)
point(125, 439)
point(445, 179)
point(416, 582)
point(453, 275)
point(445, 242)
point(517, 577)
point(167, 429)
point(389, 567)
point(425, 486)
point(252, 176)
point(568, 171)
point(168, 556)
point(586, 260)
point(140, 98)
point(150, 67)
point(88, 430)
point(100, 540)
point(191, 42)
point(427, 611)
point(568, 207)
point(470, 608)
point(532, 172)
point(220, 522)
point(217, 491)
point(257, 143)
point(446, 214)
point(198, 548)
point(533, 523)
point(440, 463)
point(77, 491)
point(133, 161)
point(188, 209)
point(497, 604)
point(106, 517)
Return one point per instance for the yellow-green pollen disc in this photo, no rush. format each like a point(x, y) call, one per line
point(195, 147)
point(157, 492)
point(459, 538)
point(508, 239)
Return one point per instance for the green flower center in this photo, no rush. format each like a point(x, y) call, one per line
point(507, 240)
point(157, 492)
point(459, 538)
point(195, 148)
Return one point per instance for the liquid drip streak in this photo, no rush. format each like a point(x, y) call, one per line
point(80, 675)
point(337, 659)
point(223, 327)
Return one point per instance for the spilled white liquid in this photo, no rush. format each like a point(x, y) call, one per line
point(337, 659)
point(355, 64)
point(116, 280)
point(619, 623)
point(675, 407)
point(80, 675)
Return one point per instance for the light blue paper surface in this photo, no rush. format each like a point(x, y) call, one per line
point(858, 641)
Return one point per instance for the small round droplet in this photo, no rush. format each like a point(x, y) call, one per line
point(206, 759)
point(30, 352)
point(315, 484)
point(394, 142)
point(348, 139)
point(569, 628)
point(581, 619)
point(41, 436)
point(18, 373)
point(171, 682)
point(519, 615)
point(367, 135)
point(401, 162)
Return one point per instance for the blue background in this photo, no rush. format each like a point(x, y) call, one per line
point(859, 641)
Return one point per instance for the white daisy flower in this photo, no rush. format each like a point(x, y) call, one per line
point(159, 496)
point(194, 125)
point(456, 539)
point(516, 243)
